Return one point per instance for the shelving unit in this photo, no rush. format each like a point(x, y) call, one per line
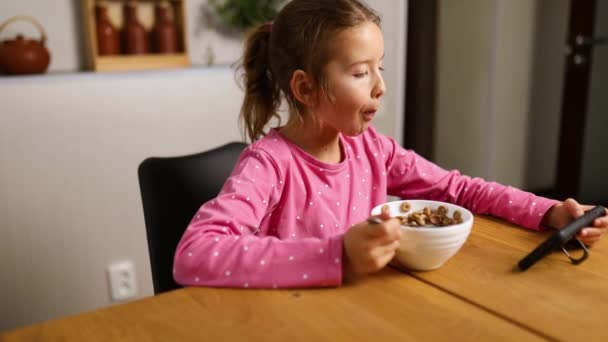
point(123, 62)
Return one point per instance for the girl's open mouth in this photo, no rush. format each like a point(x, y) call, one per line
point(368, 116)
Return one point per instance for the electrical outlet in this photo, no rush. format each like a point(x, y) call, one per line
point(121, 278)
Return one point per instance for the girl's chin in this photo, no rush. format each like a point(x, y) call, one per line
point(355, 131)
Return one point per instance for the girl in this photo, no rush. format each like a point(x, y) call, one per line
point(294, 211)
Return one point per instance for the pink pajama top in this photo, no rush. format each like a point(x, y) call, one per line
point(280, 218)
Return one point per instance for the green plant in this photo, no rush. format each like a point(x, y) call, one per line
point(243, 14)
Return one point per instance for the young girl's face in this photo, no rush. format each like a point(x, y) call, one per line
point(354, 80)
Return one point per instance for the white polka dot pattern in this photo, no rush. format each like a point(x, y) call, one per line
point(286, 211)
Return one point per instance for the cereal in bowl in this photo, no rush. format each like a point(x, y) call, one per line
point(428, 217)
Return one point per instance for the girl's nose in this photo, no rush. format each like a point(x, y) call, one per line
point(379, 88)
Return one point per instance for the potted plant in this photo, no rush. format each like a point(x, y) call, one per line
point(240, 15)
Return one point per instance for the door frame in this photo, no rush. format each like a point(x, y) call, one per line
point(575, 98)
point(419, 123)
point(420, 91)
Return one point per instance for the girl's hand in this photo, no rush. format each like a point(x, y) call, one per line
point(368, 247)
point(561, 214)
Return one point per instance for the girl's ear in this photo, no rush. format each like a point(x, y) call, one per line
point(302, 88)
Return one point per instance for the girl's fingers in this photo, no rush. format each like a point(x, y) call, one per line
point(393, 246)
point(385, 212)
point(591, 240)
point(382, 255)
point(382, 251)
point(588, 235)
point(387, 242)
point(601, 222)
point(592, 232)
point(573, 207)
point(385, 232)
point(385, 249)
point(388, 251)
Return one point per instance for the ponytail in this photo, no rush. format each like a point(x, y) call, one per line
point(262, 93)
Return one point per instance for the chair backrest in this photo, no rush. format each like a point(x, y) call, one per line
point(172, 190)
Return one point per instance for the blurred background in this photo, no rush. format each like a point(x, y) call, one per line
point(508, 90)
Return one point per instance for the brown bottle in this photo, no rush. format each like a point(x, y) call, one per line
point(134, 35)
point(108, 40)
point(164, 33)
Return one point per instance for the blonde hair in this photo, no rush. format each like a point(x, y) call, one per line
point(298, 39)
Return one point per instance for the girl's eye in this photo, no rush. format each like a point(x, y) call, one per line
point(361, 74)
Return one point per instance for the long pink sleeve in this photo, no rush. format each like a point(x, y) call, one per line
point(280, 219)
point(229, 242)
point(412, 176)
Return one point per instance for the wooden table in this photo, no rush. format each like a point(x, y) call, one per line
point(477, 295)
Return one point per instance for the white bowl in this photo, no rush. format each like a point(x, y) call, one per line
point(428, 248)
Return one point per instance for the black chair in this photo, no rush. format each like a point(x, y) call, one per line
point(172, 190)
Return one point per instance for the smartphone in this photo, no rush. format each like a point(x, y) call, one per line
point(561, 237)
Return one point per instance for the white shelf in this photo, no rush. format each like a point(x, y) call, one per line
point(80, 75)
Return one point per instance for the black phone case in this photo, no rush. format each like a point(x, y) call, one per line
point(561, 237)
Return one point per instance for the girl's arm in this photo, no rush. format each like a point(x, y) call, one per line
point(410, 176)
point(223, 245)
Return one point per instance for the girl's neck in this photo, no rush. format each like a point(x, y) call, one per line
point(319, 141)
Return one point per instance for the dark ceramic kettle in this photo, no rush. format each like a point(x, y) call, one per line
point(24, 56)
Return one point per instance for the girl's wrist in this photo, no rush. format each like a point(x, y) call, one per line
point(547, 220)
point(347, 272)
point(556, 217)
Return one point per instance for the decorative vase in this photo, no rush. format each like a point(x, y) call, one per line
point(164, 33)
point(108, 40)
point(134, 35)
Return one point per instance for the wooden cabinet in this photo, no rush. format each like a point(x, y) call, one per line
point(145, 9)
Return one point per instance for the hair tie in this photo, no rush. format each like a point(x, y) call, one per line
point(268, 25)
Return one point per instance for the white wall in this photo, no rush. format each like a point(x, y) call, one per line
point(594, 183)
point(464, 56)
point(546, 88)
point(70, 144)
point(69, 150)
point(484, 66)
point(546, 92)
point(65, 32)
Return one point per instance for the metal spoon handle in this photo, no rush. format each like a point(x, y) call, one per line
point(374, 219)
